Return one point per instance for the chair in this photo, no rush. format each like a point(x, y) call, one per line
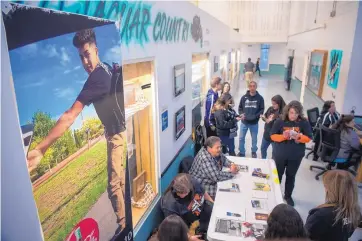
point(313, 115)
point(328, 149)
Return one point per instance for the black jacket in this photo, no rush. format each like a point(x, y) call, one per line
point(319, 225)
point(268, 126)
point(224, 122)
point(252, 107)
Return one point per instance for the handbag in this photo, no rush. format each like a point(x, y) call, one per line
point(233, 132)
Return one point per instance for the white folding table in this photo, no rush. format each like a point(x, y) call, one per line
point(240, 202)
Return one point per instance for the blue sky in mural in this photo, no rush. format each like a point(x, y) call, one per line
point(48, 75)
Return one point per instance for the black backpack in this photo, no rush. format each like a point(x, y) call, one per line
point(199, 138)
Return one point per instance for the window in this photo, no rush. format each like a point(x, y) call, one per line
point(264, 57)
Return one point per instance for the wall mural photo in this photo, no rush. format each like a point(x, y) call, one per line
point(69, 89)
point(334, 67)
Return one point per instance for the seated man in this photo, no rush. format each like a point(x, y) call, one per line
point(186, 198)
point(208, 164)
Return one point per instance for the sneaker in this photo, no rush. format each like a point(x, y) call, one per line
point(232, 153)
point(289, 201)
point(241, 154)
point(253, 155)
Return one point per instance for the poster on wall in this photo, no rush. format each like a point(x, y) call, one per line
point(68, 82)
point(316, 72)
point(180, 120)
point(179, 79)
point(334, 67)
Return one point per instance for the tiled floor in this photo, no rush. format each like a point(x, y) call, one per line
point(308, 192)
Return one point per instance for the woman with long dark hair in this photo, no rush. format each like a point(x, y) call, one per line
point(328, 117)
point(173, 228)
point(339, 216)
point(225, 88)
point(270, 116)
point(186, 198)
point(290, 133)
point(284, 222)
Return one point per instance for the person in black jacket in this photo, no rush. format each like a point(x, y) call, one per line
point(257, 68)
point(290, 133)
point(328, 117)
point(270, 116)
point(251, 107)
point(186, 198)
point(339, 216)
point(226, 123)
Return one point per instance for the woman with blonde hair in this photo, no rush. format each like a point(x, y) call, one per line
point(339, 216)
point(357, 235)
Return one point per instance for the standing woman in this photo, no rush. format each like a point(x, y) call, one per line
point(270, 116)
point(290, 133)
point(226, 123)
point(328, 117)
point(339, 216)
point(225, 88)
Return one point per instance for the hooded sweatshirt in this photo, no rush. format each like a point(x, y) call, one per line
point(224, 121)
point(320, 225)
point(252, 107)
point(211, 99)
point(268, 126)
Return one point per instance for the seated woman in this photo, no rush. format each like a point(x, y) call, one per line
point(350, 141)
point(284, 222)
point(186, 198)
point(173, 228)
point(328, 117)
point(357, 235)
point(339, 216)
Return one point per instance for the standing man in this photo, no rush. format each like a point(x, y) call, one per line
point(251, 107)
point(103, 89)
point(257, 68)
point(211, 98)
point(249, 71)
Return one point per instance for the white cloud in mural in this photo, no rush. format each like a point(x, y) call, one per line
point(50, 51)
point(65, 93)
point(113, 55)
point(64, 57)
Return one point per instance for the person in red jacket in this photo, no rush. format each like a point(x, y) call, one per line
point(290, 133)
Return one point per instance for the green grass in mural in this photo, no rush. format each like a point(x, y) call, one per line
point(66, 198)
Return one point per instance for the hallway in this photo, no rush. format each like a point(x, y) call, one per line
point(308, 192)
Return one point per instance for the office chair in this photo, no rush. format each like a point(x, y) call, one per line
point(312, 115)
point(328, 148)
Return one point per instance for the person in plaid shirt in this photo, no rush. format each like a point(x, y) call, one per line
point(208, 164)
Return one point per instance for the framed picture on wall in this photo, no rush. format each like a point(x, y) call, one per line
point(180, 120)
point(334, 67)
point(317, 71)
point(216, 63)
point(179, 79)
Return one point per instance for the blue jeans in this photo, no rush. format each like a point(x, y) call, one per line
point(254, 137)
point(264, 148)
point(229, 143)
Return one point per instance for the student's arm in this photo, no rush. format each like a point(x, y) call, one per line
point(261, 107)
point(208, 198)
point(306, 134)
point(226, 162)
point(354, 140)
point(214, 174)
point(65, 121)
point(209, 104)
point(222, 122)
point(241, 106)
point(276, 132)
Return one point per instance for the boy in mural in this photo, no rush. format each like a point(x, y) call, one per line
point(103, 89)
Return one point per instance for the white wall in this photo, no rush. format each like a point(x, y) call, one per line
point(338, 33)
point(257, 21)
point(277, 52)
point(167, 55)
